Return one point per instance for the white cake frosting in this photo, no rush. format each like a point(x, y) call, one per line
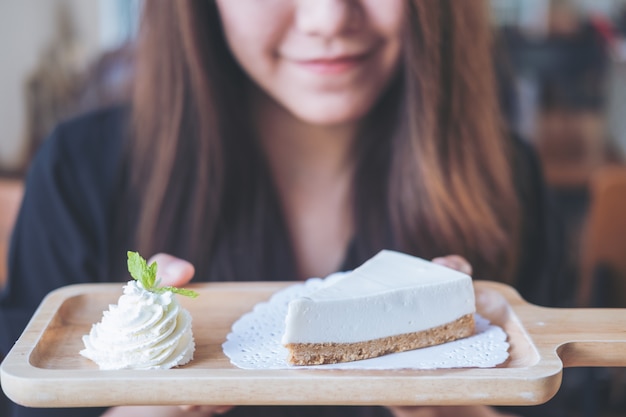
point(144, 330)
point(390, 294)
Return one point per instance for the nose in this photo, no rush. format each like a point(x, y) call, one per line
point(326, 18)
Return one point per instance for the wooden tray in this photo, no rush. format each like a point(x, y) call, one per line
point(44, 368)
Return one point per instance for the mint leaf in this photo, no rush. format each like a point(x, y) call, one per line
point(138, 269)
point(147, 276)
point(182, 291)
point(150, 275)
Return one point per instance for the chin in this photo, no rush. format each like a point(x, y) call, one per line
point(331, 115)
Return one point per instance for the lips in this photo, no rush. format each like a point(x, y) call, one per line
point(332, 65)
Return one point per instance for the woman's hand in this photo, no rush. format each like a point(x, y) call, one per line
point(172, 270)
point(206, 410)
point(175, 272)
point(167, 411)
point(455, 262)
point(448, 411)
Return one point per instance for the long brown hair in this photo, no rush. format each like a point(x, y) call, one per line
point(433, 172)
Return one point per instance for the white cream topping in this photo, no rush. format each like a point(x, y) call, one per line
point(144, 330)
point(390, 294)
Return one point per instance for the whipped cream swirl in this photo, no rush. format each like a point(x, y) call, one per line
point(144, 330)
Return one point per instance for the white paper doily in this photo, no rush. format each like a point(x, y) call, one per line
point(254, 341)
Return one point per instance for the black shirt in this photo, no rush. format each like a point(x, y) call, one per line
point(63, 234)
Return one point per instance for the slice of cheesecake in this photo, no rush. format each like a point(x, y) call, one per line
point(392, 303)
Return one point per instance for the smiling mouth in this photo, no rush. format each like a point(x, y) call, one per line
point(335, 65)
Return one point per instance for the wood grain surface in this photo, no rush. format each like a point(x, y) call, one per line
point(44, 369)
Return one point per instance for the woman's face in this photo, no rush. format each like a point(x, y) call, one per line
point(325, 61)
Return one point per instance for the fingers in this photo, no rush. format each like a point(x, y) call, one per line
point(207, 409)
point(413, 411)
point(455, 262)
point(172, 270)
point(448, 411)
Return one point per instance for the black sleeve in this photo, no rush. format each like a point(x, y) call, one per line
point(540, 271)
point(61, 234)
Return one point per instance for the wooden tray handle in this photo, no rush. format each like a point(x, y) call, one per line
point(580, 336)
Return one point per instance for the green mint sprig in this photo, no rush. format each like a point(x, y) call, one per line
point(147, 276)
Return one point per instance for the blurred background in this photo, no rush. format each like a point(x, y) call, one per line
point(562, 75)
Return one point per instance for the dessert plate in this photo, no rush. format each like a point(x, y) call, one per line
point(44, 368)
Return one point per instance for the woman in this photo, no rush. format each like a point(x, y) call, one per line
point(284, 139)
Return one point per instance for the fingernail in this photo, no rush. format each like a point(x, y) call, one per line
point(443, 262)
point(175, 269)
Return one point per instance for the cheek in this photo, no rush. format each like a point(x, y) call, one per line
point(387, 17)
point(252, 29)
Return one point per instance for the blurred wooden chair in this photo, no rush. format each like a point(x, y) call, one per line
point(572, 145)
point(603, 252)
point(603, 272)
point(11, 191)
